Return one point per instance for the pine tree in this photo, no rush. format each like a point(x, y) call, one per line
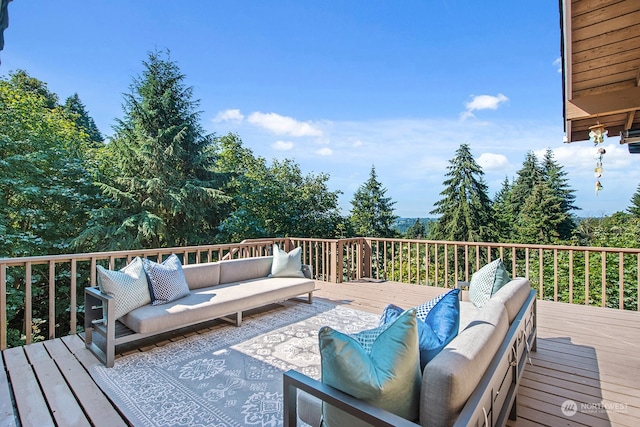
point(540, 216)
point(372, 212)
point(556, 178)
point(78, 113)
point(634, 209)
point(161, 183)
point(528, 177)
point(416, 231)
point(465, 207)
point(503, 213)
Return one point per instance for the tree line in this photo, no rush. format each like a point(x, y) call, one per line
point(162, 181)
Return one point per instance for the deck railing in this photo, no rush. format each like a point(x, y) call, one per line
point(54, 284)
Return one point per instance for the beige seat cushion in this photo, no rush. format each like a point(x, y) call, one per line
point(214, 302)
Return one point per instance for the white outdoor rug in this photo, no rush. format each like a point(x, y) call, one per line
point(230, 376)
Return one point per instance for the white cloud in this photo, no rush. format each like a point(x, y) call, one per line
point(357, 143)
point(282, 145)
point(493, 162)
point(324, 151)
point(283, 125)
point(485, 102)
point(232, 115)
point(558, 63)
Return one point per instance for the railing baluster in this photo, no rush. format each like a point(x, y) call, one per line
point(73, 303)
point(555, 275)
point(603, 277)
point(28, 321)
point(3, 305)
point(466, 262)
point(52, 299)
point(570, 276)
point(586, 278)
point(541, 266)
point(621, 280)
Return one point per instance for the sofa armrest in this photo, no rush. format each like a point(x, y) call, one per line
point(294, 381)
point(307, 270)
point(463, 286)
point(100, 317)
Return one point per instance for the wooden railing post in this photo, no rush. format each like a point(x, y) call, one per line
point(366, 257)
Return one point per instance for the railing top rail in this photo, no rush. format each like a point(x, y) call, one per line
point(41, 259)
point(509, 245)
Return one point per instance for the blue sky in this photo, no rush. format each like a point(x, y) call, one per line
point(338, 86)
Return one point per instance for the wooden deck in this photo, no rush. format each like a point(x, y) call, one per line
point(586, 354)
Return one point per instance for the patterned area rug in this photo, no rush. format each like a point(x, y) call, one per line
point(229, 376)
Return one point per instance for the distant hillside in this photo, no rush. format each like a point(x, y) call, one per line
point(402, 224)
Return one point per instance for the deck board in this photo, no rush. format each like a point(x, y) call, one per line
point(586, 354)
point(7, 416)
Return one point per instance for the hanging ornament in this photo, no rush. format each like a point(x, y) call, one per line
point(599, 169)
point(597, 133)
point(598, 187)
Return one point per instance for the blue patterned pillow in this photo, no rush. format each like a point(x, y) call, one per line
point(380, 366)
point(438, 323)
point(487, 281)
point(166, 281)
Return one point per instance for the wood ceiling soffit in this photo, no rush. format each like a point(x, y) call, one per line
point(619, 101)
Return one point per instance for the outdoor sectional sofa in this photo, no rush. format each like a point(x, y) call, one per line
point(472, 381)
point(216, 290)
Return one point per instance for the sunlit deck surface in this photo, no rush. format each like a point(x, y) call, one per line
point(590, 355)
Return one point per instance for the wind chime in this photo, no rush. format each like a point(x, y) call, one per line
point(597, 134)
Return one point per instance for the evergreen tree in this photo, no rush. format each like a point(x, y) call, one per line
point(540, 216)
point(78, 112)
point(465, 208)
point(634, 209)
point(528, 177)
point(372, 212)
point(161, 182)
point(503, 214)
point(416, 231)
point(556, 178)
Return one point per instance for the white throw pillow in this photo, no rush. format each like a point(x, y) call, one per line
point(128, 286)
point(286, 264)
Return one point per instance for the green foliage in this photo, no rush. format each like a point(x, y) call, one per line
point(77, 112)
point(465, 207)
point(161, 186)
point(634, 209)
point(371, 211)
point(416, 231)
point(46, 178)
point(273, 200)
point(502, 212)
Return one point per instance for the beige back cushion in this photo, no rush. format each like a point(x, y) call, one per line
point(513, 295)
point(237, 270)
point(202, 275)
point(450, 378)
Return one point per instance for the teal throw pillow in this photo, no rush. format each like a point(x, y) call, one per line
point(380, 366)
point(438, 323)
point(286, 264)
point(487, 281)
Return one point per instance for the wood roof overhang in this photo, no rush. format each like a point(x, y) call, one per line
point(600, 65)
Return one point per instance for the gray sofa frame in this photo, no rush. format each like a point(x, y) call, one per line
point(491, 403)
point(100, 318)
